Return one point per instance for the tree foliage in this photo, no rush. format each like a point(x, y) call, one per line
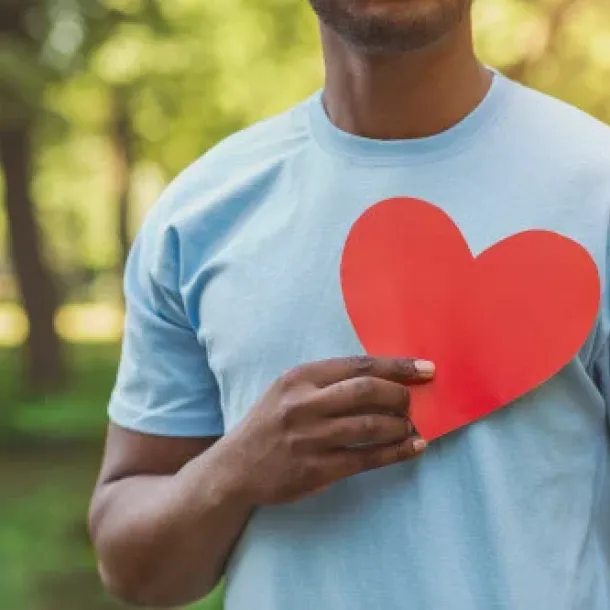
point(125, 93)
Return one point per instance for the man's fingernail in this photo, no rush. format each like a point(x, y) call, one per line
point(419, 445)
point(425, 368)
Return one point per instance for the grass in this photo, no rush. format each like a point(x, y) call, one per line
point(47, 562)
point(79, 412)
point(46, 559)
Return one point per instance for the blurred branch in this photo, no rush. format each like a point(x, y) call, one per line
point(122, 134)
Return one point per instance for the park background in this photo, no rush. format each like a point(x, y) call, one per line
point(102, 102)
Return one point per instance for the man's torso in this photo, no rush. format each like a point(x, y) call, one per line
point(510, 513)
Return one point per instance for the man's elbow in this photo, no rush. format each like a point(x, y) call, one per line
point(121, 588)
point(136, 573)
point(127, 581)
point(139, 587)
point(138, 591)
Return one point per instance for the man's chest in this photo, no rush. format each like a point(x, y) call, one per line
point(272, 296)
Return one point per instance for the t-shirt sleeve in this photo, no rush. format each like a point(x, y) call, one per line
point(164, 385)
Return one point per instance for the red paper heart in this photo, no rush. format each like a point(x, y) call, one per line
point(496, 326)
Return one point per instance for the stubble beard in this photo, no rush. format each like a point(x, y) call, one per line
point(381, 34)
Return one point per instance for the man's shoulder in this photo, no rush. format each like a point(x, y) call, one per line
point(235, 161)
point(199, 207)
point(564, 133)
point(265, 140)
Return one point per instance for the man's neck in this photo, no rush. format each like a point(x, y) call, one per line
point(411, 95)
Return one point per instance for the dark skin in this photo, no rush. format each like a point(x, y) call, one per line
point(167, 512)
point(386, 94)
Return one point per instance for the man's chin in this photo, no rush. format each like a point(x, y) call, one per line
point(389, 26)
point(396, 11)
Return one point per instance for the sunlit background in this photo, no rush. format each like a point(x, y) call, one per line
point(102, 102)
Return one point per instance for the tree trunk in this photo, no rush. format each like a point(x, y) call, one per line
point(123, 148)
point(45, 363)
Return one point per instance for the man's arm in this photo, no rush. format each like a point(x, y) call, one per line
point(167, 512)
point(164, 517)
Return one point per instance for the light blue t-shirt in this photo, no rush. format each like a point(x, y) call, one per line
point(234, 279)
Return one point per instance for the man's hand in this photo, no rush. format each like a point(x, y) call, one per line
point(168, 511)
point(322, 422)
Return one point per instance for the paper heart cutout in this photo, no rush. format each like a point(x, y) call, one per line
point(496, 326)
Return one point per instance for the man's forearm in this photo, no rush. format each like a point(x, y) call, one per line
point(165, 540)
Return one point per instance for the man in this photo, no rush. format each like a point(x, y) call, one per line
point(251, 437)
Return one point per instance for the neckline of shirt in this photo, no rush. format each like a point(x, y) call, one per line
point(414, 150)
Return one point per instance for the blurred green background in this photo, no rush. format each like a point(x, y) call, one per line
point(102, 102)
